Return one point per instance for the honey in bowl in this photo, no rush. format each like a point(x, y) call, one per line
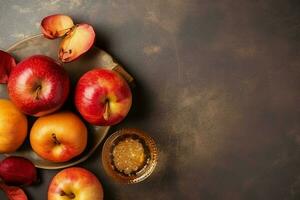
point(129, 155)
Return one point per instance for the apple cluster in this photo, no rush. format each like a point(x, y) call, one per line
point(39, 86)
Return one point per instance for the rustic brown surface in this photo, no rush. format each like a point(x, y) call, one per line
point(218, 88)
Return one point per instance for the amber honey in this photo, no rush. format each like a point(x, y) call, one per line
point(129, 155)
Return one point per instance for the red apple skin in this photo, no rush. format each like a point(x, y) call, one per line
point(38, 85)
point(7, 63)
point(16, 170)
point(97, 87)
point(13, 192)
point(75, 182)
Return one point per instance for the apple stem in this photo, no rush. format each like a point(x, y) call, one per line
point(55, 139)
point(38, 90)
point(70, 195)
point(107, 110)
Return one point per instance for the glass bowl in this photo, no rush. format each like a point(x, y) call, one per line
point(132, 148)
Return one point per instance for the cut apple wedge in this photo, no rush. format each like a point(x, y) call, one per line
point(16, 170)
point(7, 63)
point(57, 25)
point(13, 193)
point(78, 41)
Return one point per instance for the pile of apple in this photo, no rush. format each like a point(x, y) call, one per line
point(39, 86)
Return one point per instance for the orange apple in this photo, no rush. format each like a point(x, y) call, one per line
point(13, 127)
point(75, 183)
point(58, 137)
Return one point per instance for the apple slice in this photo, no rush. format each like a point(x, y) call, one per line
point(57, 25)
point(13, 193)
point(7, 63)
point(78, 41)
point(17, 171)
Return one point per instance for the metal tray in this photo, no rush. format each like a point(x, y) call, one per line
point(94, 58)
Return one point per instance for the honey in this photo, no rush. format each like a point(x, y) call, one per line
point(128, 156)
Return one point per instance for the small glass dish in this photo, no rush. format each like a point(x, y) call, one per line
point(129, 155)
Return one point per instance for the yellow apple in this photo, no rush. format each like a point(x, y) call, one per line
point(58, 137)
point(13, 127)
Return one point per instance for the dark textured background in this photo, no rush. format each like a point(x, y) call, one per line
point(218, 88)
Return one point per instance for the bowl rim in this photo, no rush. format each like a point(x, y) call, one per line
point(150, 143)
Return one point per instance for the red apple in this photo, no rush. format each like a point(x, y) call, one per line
point(103, 97)
point(75, 183)
point(38, 85)
point(58, 137)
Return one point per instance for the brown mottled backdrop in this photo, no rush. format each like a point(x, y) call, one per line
point(218, 88)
